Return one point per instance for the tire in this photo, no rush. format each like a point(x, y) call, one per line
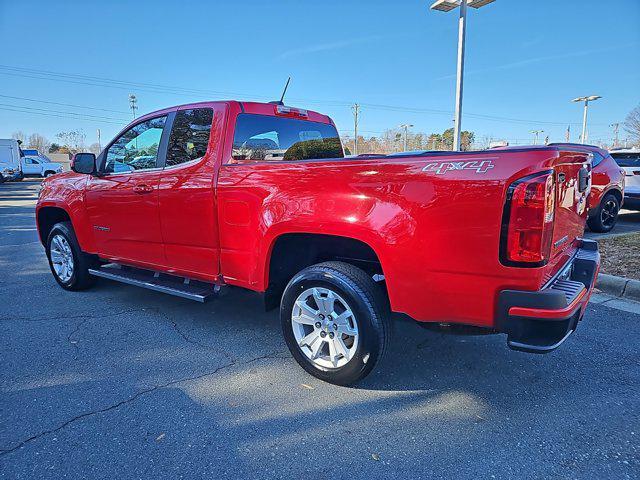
point(48, 173)
point(62, 245)
point(606, 215)
point(20, 178)
point(2, 179)
point(363, 336)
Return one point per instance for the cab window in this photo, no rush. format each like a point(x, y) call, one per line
point(268, 138)
point(137, 148)
point(189, 136)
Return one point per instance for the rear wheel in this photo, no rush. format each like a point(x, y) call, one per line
point(68, 263)
point(606, 215)
point(335, 322)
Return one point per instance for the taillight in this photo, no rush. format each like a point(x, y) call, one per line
point(527, 221)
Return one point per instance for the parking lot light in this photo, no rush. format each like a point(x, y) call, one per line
point(586, 100)
point(446, 6)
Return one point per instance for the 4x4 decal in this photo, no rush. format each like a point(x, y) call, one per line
point(440, 168)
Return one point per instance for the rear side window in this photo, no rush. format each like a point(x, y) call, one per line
point(268, 138)
point(627, 159)
point(189, 136)
point(597, 158)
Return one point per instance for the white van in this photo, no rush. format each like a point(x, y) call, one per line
point(10, 166)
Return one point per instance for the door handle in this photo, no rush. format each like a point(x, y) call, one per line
point(143, 188)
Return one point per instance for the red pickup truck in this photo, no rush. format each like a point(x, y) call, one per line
point(191, 198)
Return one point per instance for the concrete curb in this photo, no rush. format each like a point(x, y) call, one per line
point(619, 286)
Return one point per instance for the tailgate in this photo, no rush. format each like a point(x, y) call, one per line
point(573, 183)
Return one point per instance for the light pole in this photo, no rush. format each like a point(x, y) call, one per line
point(536, 133)
point(405, 126)
point(586, 100)
point(446, 6)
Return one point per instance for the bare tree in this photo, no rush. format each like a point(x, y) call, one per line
point(632, 124)
point(39, 142)
point(19, 135)
point(73, 140)
point(94, 148)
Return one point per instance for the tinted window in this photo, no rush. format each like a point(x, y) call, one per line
point(137, 148)
point(597, 158)
point(627, 159)
point(267, 138)
point(189, 136)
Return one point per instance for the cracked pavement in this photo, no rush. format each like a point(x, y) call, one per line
point(119, 382)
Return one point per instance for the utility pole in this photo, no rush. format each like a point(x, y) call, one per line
point(536, 133)
point(99, 144)
point(133, 104)
point(405, 126)
point(615, 126)
point(356, 111)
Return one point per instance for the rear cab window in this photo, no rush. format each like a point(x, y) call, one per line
point(265, 138)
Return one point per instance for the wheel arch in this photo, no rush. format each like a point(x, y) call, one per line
point(615, 191)
point(47, 217)
point(291, 252)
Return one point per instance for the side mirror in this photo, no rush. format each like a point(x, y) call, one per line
point(84, 163)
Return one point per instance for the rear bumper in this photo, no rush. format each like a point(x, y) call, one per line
point(539, 322)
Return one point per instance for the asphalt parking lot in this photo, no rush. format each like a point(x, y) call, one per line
point(119, 382)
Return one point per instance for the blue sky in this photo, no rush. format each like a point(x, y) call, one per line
point(525, 61)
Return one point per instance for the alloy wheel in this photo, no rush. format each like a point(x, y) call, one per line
point(62, 258)
point(324, 327)
point(608, 213)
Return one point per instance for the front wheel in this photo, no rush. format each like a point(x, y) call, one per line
point(335, 321)
point(69, 264)
point(606, 215)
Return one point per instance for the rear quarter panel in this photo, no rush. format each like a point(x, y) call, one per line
point(437, 236)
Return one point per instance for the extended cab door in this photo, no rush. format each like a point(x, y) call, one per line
point(122, 201)
point(187, 201)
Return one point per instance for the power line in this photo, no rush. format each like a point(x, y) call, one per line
point(62, 104)
point(60, 112)
point(57, 115)
point(166, 89)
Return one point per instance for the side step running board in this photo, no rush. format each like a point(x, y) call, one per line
point(160, 282)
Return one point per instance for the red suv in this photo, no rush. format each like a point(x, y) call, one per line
point(607, 189)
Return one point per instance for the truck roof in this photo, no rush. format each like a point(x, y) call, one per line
point(259, 108)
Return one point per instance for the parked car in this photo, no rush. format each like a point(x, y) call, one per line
point(39, 167)
point(453, 238)
point(10, 154)
point(629, 160)
point(607, 188)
